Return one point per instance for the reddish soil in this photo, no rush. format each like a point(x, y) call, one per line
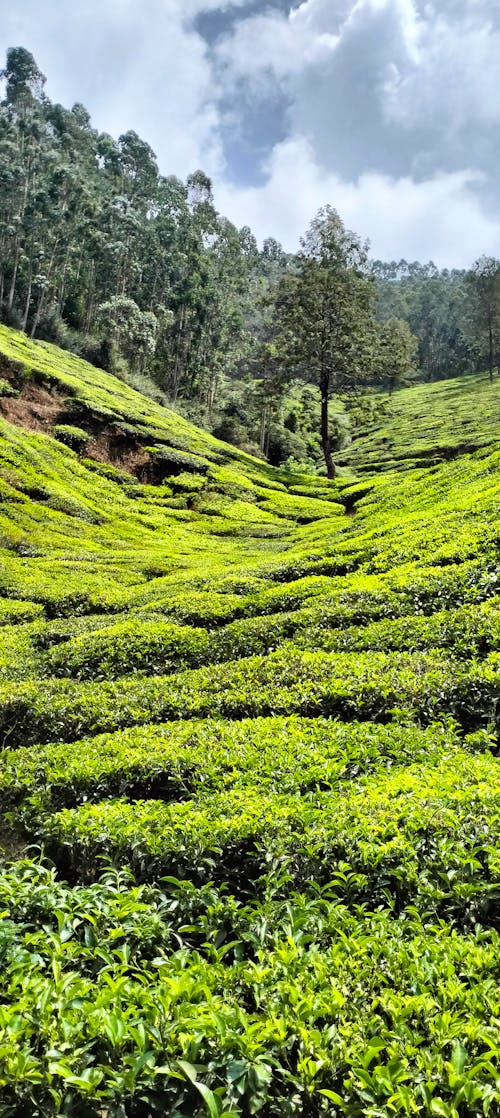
point(40, 409)
point(119, 450)
point(36, 409)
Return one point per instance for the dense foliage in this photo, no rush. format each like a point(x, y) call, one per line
point(250, 788)
point(137, 272)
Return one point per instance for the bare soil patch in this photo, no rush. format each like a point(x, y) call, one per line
point(114, 447)
point(35, 409)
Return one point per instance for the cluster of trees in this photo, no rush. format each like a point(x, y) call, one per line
point(455, 315)
point(98, 249)
point(138, 272)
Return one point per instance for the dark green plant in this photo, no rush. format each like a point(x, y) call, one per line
point(74, 437)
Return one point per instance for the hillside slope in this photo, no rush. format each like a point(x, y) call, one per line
point(251, 797)
point(427, 424)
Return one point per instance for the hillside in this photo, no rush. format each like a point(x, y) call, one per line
point(251, 795)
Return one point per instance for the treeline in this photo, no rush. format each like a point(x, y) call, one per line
point(94, 241)
point(139, 273)
point(455, 314)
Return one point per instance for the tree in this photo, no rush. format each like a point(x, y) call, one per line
point(324, 315)
point(438, 309)
point(131, 331)
point(485, 281)
point(24, 82)
point(397, 353)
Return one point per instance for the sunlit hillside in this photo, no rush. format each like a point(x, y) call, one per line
point(250, 789)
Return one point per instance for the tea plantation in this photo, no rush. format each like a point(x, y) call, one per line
point(250, 787)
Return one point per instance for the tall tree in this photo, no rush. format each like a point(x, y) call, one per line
point(485, 283)
point(324, 315)
point(397, 353)
point(437, 305)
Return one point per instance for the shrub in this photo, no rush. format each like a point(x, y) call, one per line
point(367, 686)
point(74, 437)
point(289, 754)
point(127, 647)
point(7, 389)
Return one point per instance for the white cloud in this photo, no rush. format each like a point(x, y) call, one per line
point(191, 8)
point(392, 106)
point(139, 67)
point(439, 218)
point(409, 64)
point(283, 44)
point(452, 79)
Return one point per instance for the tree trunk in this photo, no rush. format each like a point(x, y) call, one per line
point(263, 428)
point(213, 384)
point(490, 350)
point(28, 298)
point(38, 313)
point(20, 216)
point(177, 357)
point(12, 292)
point(325, 434)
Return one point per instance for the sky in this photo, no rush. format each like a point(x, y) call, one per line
point(388, 110)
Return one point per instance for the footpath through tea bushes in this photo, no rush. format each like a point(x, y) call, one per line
point(250, 785)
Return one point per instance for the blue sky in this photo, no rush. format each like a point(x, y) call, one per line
point(389, 110)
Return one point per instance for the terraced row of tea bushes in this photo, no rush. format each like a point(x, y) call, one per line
point(156, 646)
point(385, 1015)
point(95, 395)
point(127, 647)
point(471, 631)
point(339, 602)
point(426, 836)
point(212, 608)
point(17, 654)
point(316, 932)
point(347, 685)
point(293, 507)
point(108, 647)
point(16, 612)
point(96, 399)
point(174, 760)
point(427, 424)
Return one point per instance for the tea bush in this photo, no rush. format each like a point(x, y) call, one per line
point(74, 437)
point(346, 685)
point(127, 647)
point(470, 631)
point(176, 759)
point(249, 781)
point(427, 836)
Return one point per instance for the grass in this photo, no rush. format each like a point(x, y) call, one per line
point(250, 785)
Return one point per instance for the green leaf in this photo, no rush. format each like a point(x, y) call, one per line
point(458, 1058)
point(205, 1092)
point(332, 1095)
point(208, 1097)
point(440, 1107)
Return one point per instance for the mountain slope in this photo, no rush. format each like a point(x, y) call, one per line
point(249, 721)
point(428, 424)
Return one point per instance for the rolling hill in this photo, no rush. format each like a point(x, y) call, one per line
point(250, 785)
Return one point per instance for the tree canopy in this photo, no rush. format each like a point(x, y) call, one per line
point(136, 270)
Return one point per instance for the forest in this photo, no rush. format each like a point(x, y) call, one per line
point(138, 272)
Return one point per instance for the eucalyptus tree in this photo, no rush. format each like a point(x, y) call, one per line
point(484, 283)
point(132, 332)
point(222, 337)
point(23, 144)
point(438, 307)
